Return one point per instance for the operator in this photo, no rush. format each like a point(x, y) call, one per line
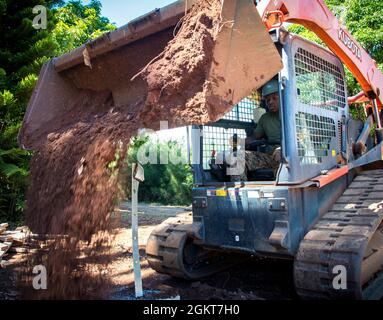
point(268, 129)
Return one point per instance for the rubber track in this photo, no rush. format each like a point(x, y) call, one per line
point(340, 237)
point(162, 250)
point(165, 251)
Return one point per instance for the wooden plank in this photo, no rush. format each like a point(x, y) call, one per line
point(24, 229)
point(14, 249)
point(4, 263)
point(5, 238)
point(16, 236)
point(4, 247)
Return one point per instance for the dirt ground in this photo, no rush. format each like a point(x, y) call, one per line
point(253, 279)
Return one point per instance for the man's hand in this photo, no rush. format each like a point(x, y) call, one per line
point(249, 140)
point(277, 155)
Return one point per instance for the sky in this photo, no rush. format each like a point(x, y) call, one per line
point(122, 11)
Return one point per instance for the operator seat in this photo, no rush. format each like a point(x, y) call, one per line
point(263, 174)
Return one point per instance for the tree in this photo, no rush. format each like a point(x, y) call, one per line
point(168, 184)
point(23, 51)
point(364, 20)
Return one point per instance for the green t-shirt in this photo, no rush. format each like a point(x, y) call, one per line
point(270, 126)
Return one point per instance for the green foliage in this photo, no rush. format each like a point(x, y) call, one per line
point(168, 184)
point(302, 31)
point(23, 51)
point(76, 24)
point(364, 20)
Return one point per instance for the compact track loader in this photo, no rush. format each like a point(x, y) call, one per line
point(323, 208)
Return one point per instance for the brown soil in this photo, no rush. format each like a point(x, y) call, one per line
point(178, 83)
point(76, 176)
point(254, 279)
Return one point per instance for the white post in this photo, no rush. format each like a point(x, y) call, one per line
point(137, 177)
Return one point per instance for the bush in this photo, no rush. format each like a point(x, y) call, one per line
point(167, 184)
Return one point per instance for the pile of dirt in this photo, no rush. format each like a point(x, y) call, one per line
point(179, 84)
point(76, 176)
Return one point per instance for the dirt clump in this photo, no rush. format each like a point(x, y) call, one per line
point(76, 176)
point(178, 82)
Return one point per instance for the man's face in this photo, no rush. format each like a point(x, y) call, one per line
point(272, 101)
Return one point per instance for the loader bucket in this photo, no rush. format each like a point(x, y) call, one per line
point(86, 82)
point(245, 55)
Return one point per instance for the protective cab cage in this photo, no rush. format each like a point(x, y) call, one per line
point(219, 139)
point(313, 113)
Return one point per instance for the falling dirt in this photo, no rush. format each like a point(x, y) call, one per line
point(76, 176)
